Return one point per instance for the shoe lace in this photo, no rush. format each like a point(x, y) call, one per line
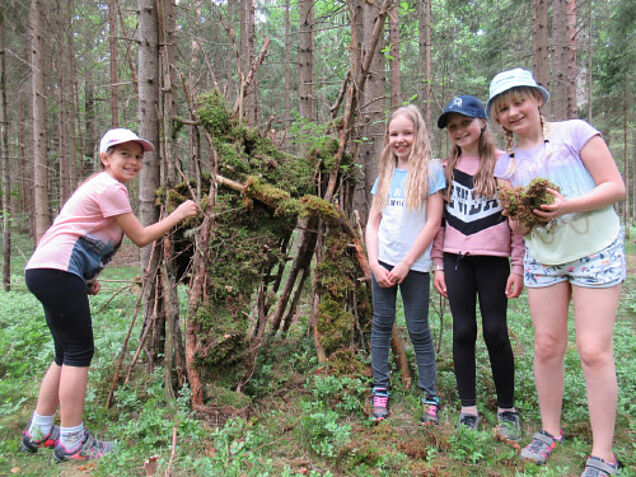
point(380, 400)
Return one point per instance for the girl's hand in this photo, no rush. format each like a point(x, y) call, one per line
point(399, 273)
point(381, 275)
point(548, 212)
point(93, 287)
point(514, 285)
point(439, 282)
point(187, 209)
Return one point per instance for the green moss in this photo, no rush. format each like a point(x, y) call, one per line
point(226, 397)
point(519, 203)
point(214, 114)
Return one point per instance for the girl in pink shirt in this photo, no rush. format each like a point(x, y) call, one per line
point(470, 257)
point(61, 274)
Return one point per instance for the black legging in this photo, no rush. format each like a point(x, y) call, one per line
point(65, 301)
point(467, 277)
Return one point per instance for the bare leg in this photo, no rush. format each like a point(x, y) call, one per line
point(594, 315)
point(48, 398)
point(549, 310)
point(72, 392)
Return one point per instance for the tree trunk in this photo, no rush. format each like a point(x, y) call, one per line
point(306, 60)
point(425, 80)
point(149, 75)
point(590, 84)
point(149, 178)
point(371, 100)
point(394, 62)
point(168, 47)
point(541, 67)
point(559, 61)
point(73, 102)
point(287, 92)
point(570, 55)
point(249, 109)
point(5, 170)
point(112, 43)
point(91, 135)
point(626, 212)
point(63, 95)
point(38, 121)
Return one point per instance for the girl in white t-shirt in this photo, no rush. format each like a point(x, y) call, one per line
point(405, 216)
point(62, 273)
point(579, 257)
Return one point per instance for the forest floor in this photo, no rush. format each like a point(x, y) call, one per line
point(302, 420)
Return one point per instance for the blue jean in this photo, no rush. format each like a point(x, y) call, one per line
point(415, 298)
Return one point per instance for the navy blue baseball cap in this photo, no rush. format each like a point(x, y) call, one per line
point(465, 105)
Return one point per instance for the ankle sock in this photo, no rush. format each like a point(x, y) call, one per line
point(70, 437)
point(40, 426)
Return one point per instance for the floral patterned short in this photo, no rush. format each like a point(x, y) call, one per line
point(602, 269)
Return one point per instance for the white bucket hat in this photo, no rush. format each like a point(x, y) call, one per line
point(120, 136)
point(514, 78)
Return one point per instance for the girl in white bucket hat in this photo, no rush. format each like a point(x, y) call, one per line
point(579, 257)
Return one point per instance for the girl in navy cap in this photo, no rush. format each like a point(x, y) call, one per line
point(580, 257)
point(62, 273)
point(470, 257)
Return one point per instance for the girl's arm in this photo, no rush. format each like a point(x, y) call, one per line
point(142, 236)
point(609, 189)
point(434, 208)
point(380, 273)
point(514, 284)
point(437, 258)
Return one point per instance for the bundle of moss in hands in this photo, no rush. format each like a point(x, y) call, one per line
point(518, 203)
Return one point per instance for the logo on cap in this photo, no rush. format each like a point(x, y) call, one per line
point(457, 102)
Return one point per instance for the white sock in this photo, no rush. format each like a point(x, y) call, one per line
point(71, 437)
point(40, 426)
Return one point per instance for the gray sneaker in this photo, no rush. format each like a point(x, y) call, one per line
point(31, 444)
point(597, 467)
point(89, 449)
point(471, 421)
point(509, 427)
point(541, 447)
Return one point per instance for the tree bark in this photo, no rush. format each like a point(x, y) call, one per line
point(306, 60)
point(541, 67)
point(570, 54)
point(149, 112)
point(559, 61)
point(249, 109)
point(38, 121)
point(287, 92)
point(424, 80)
point(394, 62)
point(4, 165)
point(112, 44)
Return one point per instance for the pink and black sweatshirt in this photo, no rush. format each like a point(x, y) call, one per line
point(474, 225)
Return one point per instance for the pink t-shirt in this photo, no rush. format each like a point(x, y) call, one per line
point(85, 235)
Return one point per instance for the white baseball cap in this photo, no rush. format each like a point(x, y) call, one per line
point(514, 78)
point(120, 136)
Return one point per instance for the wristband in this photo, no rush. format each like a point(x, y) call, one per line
point(438, 268)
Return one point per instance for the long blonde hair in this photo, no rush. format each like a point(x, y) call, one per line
point(484, 182)
point(516, 94)
point(418, 161)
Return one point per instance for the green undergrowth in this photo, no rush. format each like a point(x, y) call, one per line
point(303, 419)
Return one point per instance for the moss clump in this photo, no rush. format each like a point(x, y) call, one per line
point(226, 397)
point(214, 114)
point(519, 203)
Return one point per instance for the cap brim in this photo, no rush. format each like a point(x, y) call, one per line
point(442, 121)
